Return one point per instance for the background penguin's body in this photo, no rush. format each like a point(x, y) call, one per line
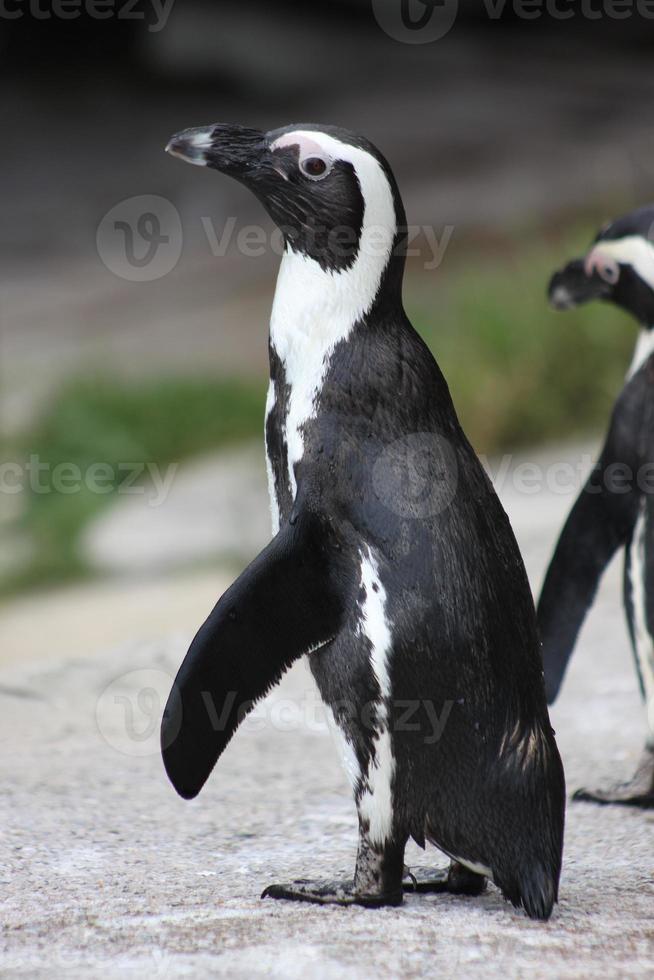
point(393, 566)
point(616, 507)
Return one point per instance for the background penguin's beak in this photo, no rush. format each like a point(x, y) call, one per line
point(572, 286)
point(234, 150)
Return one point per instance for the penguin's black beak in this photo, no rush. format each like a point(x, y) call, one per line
point(572, 285)
point(235, 150)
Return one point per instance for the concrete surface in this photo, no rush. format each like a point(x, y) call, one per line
point(106, 873)
point(215, 506)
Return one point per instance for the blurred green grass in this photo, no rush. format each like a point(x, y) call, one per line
point(102, 420)
point(520, 374)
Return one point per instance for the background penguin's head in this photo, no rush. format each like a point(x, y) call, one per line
point(330, 192)
point(619, 267)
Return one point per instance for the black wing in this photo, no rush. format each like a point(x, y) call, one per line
point(601, 521)
point(291, 599)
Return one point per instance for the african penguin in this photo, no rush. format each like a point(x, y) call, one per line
point(616, 506)
point(393, 567)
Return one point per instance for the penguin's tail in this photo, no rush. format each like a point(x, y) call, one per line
point(536, 892)
point(529, 865)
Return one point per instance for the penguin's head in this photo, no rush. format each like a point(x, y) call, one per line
point(330, 192)
point(619, 267)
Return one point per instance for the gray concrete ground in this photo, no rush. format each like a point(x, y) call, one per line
point(105, 872)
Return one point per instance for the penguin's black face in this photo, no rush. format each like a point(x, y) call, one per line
point(315, 182)
point(572, 285)
point(619, 267)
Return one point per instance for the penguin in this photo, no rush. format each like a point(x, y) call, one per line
point(392, 568)
point(615, 509)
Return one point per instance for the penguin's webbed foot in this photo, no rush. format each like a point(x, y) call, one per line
point(457, 880)
point(624, 794)
point(638, 792)
point(330, 893)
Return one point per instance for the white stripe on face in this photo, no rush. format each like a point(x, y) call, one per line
point(633, 250)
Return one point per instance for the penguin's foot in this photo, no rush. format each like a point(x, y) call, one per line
point(457, 880)
point(330, 893)
point(638, 792)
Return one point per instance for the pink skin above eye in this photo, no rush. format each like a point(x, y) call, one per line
point(604, 265)
point(306, 146)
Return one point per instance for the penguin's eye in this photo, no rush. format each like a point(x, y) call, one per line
point(314, 167)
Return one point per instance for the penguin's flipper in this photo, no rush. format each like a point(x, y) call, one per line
point(290, 600)
point(601, 521)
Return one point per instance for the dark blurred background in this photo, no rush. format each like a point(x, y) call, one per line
point(513, 139)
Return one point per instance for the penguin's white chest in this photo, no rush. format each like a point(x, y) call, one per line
point(309, 318)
